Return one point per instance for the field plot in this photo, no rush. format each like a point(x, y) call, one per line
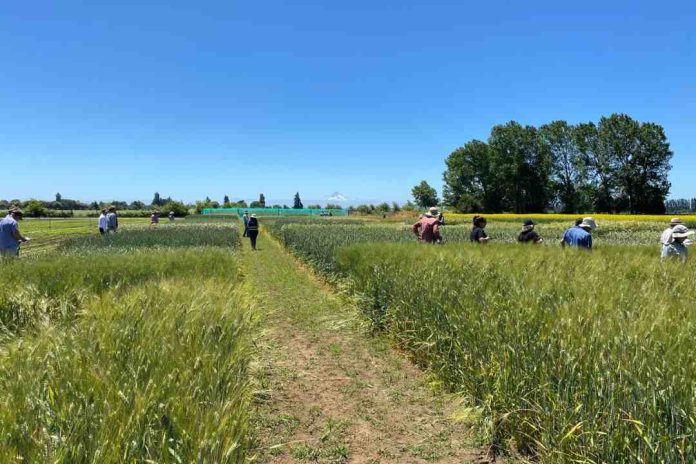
point(126, 357)
point(570, 357)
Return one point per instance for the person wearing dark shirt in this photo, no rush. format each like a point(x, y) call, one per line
point(252, 231)
point(528, 234)
point(478, 234)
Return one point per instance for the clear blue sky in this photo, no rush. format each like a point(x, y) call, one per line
point(105, 100)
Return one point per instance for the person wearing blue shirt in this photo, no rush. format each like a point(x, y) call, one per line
point(580, 236)
point(10, 237)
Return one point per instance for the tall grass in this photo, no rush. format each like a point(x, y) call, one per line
point(571, 356)
point(35, 292)
point(164, 236)
point(157, 374)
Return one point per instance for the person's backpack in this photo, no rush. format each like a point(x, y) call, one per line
point(253, 224)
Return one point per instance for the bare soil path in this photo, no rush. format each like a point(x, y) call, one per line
point(328, 391)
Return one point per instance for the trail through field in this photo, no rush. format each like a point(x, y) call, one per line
point(328, 391)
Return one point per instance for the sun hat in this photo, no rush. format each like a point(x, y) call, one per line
point(588, 223)
point(681, 231)
point(675, 221)
point(479, 219)
point(112, 208)
point(434, 211)
point(528, 222)
point(253, 215)
point(16, 210)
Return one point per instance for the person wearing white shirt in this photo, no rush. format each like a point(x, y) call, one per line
point(102, 222)
point(666, 238)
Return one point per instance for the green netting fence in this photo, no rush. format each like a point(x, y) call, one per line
point(276, 211)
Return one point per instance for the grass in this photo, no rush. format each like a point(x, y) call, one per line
point(173, 236)
point(563, 366)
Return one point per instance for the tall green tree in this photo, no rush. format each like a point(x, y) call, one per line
point(569, 171)
point(468, 183)
point(297, 202)
point(262, 200)
point(156, 200)
point(424, 195)
point(226, 201)
point(520, 167)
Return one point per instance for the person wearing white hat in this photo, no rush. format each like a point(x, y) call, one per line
point(677, 248)
point(666, 237)
point(580, 236)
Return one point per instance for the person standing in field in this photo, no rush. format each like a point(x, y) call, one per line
point(111, 220)
point(478, 234)
point(676, 248)
point(245, 218)
point(580, 236)
point(154, 218)
point(528, 234)
point(427, 229)
point(252, 230)
point(10, 237)
point(666, 237)
point(171, 216)
point(102, 222)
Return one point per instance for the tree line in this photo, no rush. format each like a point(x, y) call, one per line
point(616, 165)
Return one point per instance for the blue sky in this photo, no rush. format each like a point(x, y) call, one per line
point(105, 100)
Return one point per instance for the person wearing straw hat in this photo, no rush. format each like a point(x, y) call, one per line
point(111, 220)
point(666, 237)
point(154, 217)
point(528, 234)
point(580, 236)
point(677, 247)
point(427, 229)
point(252, 230)
point(10, 237)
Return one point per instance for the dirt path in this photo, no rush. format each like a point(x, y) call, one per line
point(328, 391)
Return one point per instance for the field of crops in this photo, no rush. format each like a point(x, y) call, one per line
point(140, 356)
point(568, 356)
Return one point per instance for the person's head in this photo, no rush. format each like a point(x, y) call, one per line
point(103, 211)
point(588, 224)
point(528, 224)
point(480, 221)
point(675, 222)
point(112, 209)
point(16, 213)
point(254, 216)
point(680, 233)
point(434, 211)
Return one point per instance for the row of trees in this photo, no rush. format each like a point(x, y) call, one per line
point(681, 205)
point(616, 165)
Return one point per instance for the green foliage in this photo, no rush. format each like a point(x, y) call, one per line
point(164, 236)
point(180, 209)
point(34, 208)
point(297, 202)
point(563, 366)
point(424, 195)
point(618, 165)
point(155, 375)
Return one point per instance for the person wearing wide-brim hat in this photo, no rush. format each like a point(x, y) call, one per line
point(252, 230)
point(154, 217)
point(666, 237)
point(677, 247)
point(111, 220)
point(528, 234)
point(10, 237)
point(427, 229)
point(580, 236)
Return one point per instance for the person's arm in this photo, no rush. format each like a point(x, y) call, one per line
point(415, 228)
point(537, 239)
point(18, 236)
point(589, 242)
point(436, 231)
